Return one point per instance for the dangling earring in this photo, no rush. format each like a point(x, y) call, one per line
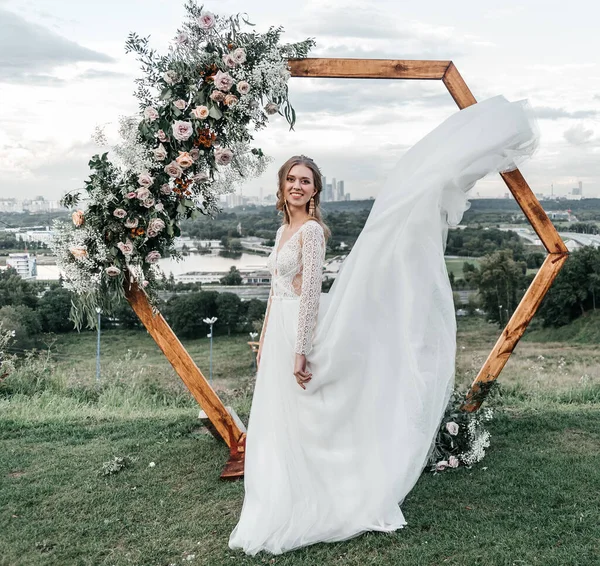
point(311, 206)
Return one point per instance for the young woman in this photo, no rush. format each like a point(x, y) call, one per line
point(352, 385)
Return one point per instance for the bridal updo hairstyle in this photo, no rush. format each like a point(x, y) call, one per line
point(317, 182)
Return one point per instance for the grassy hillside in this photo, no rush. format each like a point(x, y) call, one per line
point(532, 501)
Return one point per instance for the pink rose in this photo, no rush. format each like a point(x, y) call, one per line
point(120, 213)
point(181, 38)
point(150, 113)
point(243, 87)
point(180, 104)
point(112, 271)
point(231, 100)
point(166, 189)
point(145, 180)
point(441, 465)
point(78, 217)
point(160, 153)
point(239, 55)
point(148, 202)
point(217, 96)
point(155, 226)
point(131, 194)
point(173, 169)
point(223, 81)
point(170, 76)
point(223, 156)
point(126, 247)
point(452, 428)
point(453, 462)
point(195, 154)
point(271, 108)
point(159, 207)
point(143, 193)
point(132, 223)
point(229, 60)
point(162, 137)
point(200, 112)
point(153, 256)
point(182, 130)
point(185, 159)
point(206, 20)
point(145, 283)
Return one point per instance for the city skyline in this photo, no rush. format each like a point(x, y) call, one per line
point(64, 72)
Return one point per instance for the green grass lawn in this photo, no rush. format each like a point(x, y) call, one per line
point(534, 500)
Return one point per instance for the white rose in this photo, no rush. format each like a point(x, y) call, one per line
point(173, 170)
point(120, 213)
point(160, 153)
point(223, 81)
point(453, 462)
point(148, 202)
point(180, 104)
point(145, 180)
point(239, 55)
point(182, 130)
point(150, 114)
point(229, 60)
point(452, 428)
point(112, 271)
point(142, 193)
point(181, 38)
point(206, 20)
point(243, 87)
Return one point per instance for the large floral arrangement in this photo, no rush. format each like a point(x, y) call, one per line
point(190, 142)
point(462, 437)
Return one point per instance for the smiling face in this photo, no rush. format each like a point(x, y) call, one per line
point(299, 185)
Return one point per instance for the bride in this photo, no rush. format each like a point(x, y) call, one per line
point(352, 384)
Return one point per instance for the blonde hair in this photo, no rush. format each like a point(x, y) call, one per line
point(317, 182)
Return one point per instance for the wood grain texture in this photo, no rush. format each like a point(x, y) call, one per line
point(368, 68)
point(514, 330)
point(184, 365)
point(457, 87)
point(535, 213)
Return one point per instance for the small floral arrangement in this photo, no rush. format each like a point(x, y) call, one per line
point(190, 142)
point(462, 437)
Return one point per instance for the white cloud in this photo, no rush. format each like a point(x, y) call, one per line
point(578, 134)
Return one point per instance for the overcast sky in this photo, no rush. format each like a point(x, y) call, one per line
point(63, 71)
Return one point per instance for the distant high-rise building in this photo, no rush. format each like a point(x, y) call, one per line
point(341, 190)
point(328, 193)
point(333, 189)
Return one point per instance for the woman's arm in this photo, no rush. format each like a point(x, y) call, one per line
point(313, 256)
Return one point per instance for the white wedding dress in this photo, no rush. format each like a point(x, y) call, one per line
point(332, 461)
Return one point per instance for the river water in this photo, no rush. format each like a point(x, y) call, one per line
point(192, 262)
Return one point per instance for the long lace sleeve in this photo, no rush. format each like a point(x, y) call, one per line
point(313, 256)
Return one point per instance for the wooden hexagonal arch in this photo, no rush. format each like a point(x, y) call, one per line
point(224, 423)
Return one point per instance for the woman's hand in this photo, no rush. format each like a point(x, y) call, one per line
point(301, 374)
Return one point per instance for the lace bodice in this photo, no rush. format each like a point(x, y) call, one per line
point(297, 271)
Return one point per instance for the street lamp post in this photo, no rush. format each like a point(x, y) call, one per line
point(253, 336)
point(210, 321)
point(99, 312)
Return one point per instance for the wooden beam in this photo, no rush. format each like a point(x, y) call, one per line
point(514, 330)
point(368, 68)
point(457, 87)
point(184, 365)
point(534, 212)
